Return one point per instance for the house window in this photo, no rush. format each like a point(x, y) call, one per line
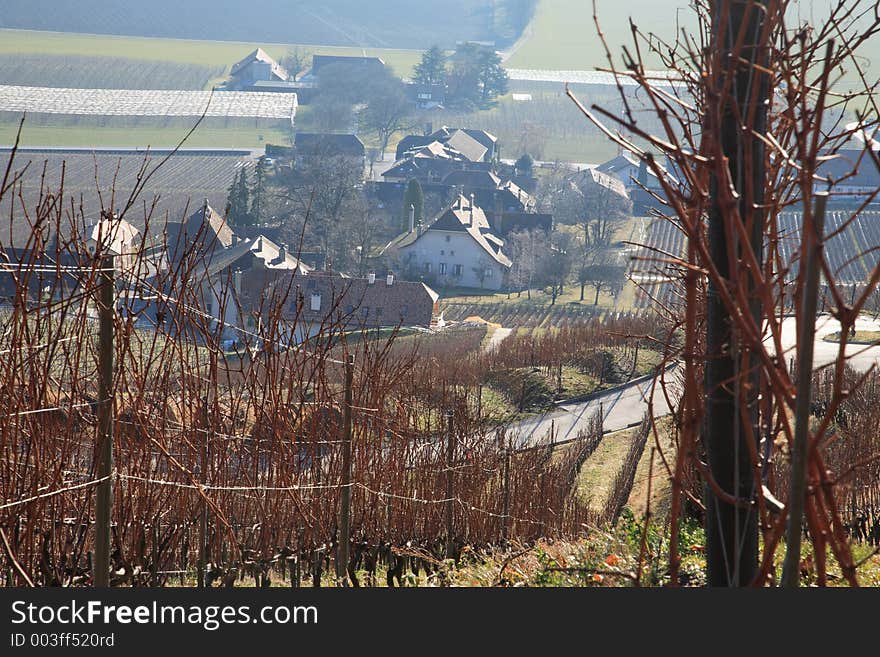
point(378, 312)
point(312, 284)
point(316, 302)
point(456, 270)
point(442, 252)
point(349, 309)
point(427, 267)
point(365, 311)
point(449, 238)
point(452, 253)
point(404, 309)
point(442, 267)
point(489, 271)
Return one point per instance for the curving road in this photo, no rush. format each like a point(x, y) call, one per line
point(622, 407)
point(625, 406)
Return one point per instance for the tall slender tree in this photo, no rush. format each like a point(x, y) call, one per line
point(415, 197)
point(238, 201)
point(258, 191)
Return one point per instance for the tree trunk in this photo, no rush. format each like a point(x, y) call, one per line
point(731, 531)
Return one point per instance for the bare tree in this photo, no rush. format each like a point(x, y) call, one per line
point(749, 115)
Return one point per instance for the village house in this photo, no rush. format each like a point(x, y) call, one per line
point(321, 301)
point(205, 245)
point(442, 135)
point(365, 64)
point(427, 96)
point(457, 248)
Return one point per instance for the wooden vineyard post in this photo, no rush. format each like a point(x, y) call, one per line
point(345, 501)
point(450, 458)
point(812, 236)
point(104, 491)
point(505, 511)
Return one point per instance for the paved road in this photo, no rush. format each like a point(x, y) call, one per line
point(862, 356)
point(621, 408)
point(627, 405)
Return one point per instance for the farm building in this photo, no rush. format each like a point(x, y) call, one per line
point(256, 67)
point(457, 248)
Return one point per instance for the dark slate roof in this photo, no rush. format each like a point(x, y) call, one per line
point(328, 144)
point(473, 179)
point(846, 161)
point(353, 302)
point(411, 142)
point(320, 61)
point(205, 227)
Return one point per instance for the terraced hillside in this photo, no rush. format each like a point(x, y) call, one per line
point(852, 251)
point(185, 181)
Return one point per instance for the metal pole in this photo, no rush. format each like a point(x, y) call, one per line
point(450, 458)
point(103, 494)
point(345, 503)
point(813, 237)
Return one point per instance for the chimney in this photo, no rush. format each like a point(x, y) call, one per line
point(282, 253)
point(260, 243)
point(236, 281)
point(412, 217)
point(371, 278)
point(234, 239)
point(472, 208)
point(389, 280)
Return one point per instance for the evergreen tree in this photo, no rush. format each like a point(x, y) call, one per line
point(525, 164)
point(413, 196)
point(238, 201)
point(477, 77)
point(432, 68)
point(494, 80)
point(258, 191)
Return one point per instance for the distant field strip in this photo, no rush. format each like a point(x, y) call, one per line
point(582, 77)
point(151, 102)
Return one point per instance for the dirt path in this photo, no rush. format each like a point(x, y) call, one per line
point(497, 337)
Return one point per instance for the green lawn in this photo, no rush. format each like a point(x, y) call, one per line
point(861, 337)
point(178, 51)
point(563, 36)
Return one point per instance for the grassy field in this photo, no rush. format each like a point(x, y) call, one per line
point(563, 35)
point(176, 51)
